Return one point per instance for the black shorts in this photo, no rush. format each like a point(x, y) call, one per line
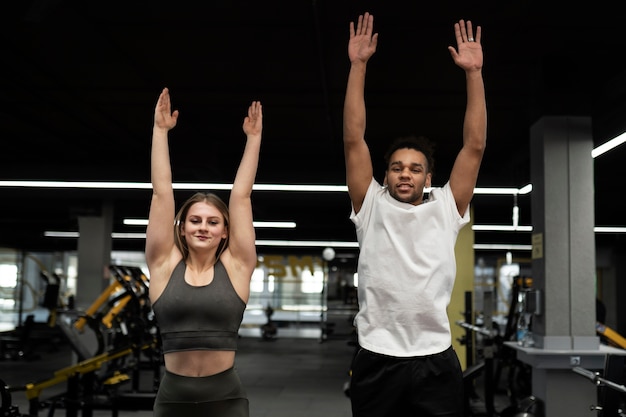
point(220, 395)
point(386, 386)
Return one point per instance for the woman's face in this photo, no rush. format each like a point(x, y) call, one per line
point(204, 226)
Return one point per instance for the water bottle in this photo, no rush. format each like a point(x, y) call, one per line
point(522, 329)
point(524, 334)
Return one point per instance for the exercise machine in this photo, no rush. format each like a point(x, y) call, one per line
point(128, 343)
point(611, 391)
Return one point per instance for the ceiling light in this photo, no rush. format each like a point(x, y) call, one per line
point(289, 243)
point(176, 186)
point(118, 235)
point(135, 222)
point(609, 229)
point(260, 225)
point(501, 246)
point(275, 225)
point(496, 191)
point(500, 228)
point(526, 189)
point(607, 146)
point(77, 184)
point(511, 228)
point(217, 186)
point(297, 187)
point(295, 243)
point(61, 234)
point(475, 227)
point(307, 243)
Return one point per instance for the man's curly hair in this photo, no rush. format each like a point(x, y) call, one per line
point(419, 143)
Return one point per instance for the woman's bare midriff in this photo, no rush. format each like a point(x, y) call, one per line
point(197, 363)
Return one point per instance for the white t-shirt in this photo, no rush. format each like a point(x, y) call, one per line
point(406, 271)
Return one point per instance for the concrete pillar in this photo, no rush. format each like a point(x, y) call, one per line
point(94, 256)
point(563, 267)
point(563, 257)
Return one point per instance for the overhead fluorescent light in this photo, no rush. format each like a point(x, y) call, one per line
point(176, 186)
point(271, 187)
point(117, 235)
point(77, 184)
point(609, 229)
point(307, 243)
point(501, 246)
point(607, 146)
point(496, 191)
point(301, 243)
point(76, 235)
point(304, 243)
point(510, 228)
point(217, 186)
point(296, 187)
point(290, 243)
point(274, 225)
point(526, 189)
point(500, 228)
point(61, 234)
point(260, 225)
point(135, 222)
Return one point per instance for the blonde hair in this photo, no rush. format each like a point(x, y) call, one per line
point(181, 216)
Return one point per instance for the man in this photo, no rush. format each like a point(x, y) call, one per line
point(406, 365)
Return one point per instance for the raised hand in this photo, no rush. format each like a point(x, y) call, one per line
point(362, 44)
point(253, 122)
point(469, 52)
point(164, 118)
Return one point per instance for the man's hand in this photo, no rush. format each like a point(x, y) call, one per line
point(469, 52)
point(362, 43)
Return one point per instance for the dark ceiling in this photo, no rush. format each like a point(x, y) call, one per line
point(80, 80)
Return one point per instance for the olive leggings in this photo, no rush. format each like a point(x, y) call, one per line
point(220, 395)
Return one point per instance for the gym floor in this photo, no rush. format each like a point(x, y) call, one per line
point(294, 374)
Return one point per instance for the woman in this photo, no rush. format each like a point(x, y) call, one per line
point(200, 271)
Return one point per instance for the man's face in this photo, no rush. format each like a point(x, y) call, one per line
point(407, 175)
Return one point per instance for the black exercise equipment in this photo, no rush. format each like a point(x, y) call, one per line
point(610, 383)
point(16, 344)
point(122, 321)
